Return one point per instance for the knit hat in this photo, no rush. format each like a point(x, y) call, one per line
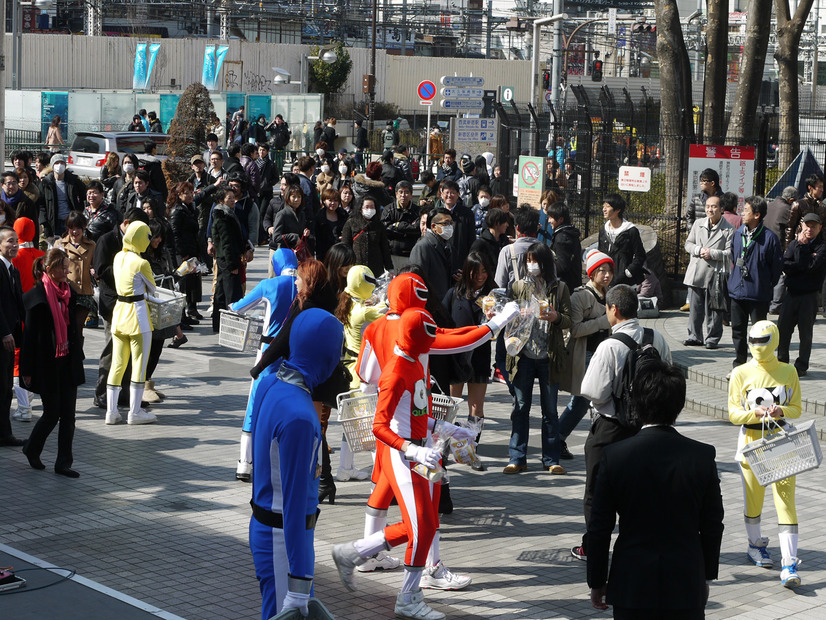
point(56, 158)
point(594, 259)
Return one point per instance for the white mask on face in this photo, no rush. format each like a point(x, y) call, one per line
point(447, 232)
point(325, 169)
point(533, 269)
point(319, 152)
point(60, 168)
point(128, 168)
point(342, 170)
point(368, 213)
point(484, 202)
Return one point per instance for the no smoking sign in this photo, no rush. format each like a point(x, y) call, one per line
point(530, 173)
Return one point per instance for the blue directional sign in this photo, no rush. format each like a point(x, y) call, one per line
point(462, 104)
point(462, 81)
point(462, 93)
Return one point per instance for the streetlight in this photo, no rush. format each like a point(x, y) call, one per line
point(326, 55)
point(537, 24)
point(282, 76)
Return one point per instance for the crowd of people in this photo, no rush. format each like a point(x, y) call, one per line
point(332, 227)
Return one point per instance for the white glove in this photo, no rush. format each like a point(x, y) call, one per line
point(296, 600)
point(426, 456)
point(446, 429)
point(508, 313)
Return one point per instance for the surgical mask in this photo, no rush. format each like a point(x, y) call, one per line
point(533, 269)
point(325, 169)
point(128, 168)
point(484, 202)
point(368, 213)
point(447, 232)
point(59, 168)
point(342, 170)
point(319, 152)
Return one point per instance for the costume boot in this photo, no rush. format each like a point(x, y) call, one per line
point(244, 470)
point(346, 468)
point(136, 414)
point(112, 415)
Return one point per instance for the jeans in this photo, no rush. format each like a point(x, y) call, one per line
point(800, 311)
point(575, 410)
point(529, 369)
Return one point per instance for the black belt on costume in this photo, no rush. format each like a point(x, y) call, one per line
point(267, 339)
point(130, 299)
point(276, 519)
point(757, 427)
point(417, 442)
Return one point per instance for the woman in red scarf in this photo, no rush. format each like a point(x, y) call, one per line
point(51, 358)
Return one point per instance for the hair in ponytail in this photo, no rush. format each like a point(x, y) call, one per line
point(46, 263)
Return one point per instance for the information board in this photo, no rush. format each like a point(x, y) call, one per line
point(734, 164)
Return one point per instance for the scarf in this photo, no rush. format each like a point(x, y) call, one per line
point(58, 296)
point(11, 200)
point(261, 162)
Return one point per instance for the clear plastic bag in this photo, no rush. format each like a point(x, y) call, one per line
point(191, 265)
point(379, 295)
point(495, 301)
point(464, 450)
point(518, 331)
point(436, 475)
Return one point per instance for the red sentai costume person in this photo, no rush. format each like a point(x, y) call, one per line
point(403, 426)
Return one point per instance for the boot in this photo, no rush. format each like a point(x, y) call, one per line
point(112, 414)
point(346, 468)
point(326, 484)
point(136, 414)
point(445, 503)
point(244, 470)
point(149, 393)
point(411, 605)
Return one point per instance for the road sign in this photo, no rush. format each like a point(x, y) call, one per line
point(634, 179)
point(462, 104)
point(508, 93)
point(612, 20)
point(426, 90)
point(548, 95)
point(423, 102)
point(462, 93)
point(462, 81)
point(476, 124)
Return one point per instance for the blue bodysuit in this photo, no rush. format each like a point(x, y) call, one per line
point(286, 440)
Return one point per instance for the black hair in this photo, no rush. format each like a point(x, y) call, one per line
point(484, 188)
point(211, 137)
point(427, 177)
point(813, 179)
point(134, 214)
point(339, 255)
point(233, 149)
point(728, 202)
point(526, 219)
point(43, 158)
point(248, 149)
point(10, 173)
point(710, 174)
point(263, 145)
point(149, 146)
point(143, 175)
point(624, 298)
point(450, 184)
point(152, 115)
point(495, 217)
point(221, 193)
point(76, 219)
point(616, 202)
point(431, 215)
point(465, 285)
point(659, 393)
point(559, 211)
point(543, 256)
point(131, 157)
point(758, 205)
point(291, 178)
point(96, 185)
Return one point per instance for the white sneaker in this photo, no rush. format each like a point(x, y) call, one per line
point(439, 577)
point(343, 475)
point(411, 605)
point(347, 558)
point(114, 418)
point(22, 415)
point(788, 576)
point(380, 561)
point(141, 416)
point(758, 553)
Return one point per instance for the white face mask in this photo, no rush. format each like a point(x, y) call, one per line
point(484, 202)
point(59, 168)
point(342, 170)
point(368, 213)
point(533, 269)
point(325, 169)
point(447, 232)
point(128, 168)
point(319, 152)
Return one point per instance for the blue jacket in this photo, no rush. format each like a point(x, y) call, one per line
point(763, 260)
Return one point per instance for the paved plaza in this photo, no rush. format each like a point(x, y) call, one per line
point(156, 526)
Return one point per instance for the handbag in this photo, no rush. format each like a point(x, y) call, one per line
point(718, 291)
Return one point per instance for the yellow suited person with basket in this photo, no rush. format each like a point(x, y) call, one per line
point(131, 324)
point(763, 395)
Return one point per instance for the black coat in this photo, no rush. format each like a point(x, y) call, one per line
point(464, 234)
point(328, 233)
point(12, 310)
point(402, 227)
point(627, 252)
point(666, 491)
point(75, 193)
point(470, 364)
point(288, 227)
point(103, 220)
point(184, 223)
point(105, 249)
point(567, 255)
point(433, 255)
point(489, 246)
point(368, 238)
point(37, 353)
point(228, 238)
point(330, 137)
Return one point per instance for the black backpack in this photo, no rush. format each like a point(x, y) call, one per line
point(642, 354)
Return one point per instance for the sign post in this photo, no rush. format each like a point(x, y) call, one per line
point(462, 92)
point(531, 180)
point(426, 92)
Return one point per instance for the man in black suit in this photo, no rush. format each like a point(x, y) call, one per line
point(666, 491)
point(12, 313)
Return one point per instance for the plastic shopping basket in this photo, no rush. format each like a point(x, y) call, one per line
point(166, 312)
point(355, 412)
point(445, 407)
point(792, 450)
point(240, 332)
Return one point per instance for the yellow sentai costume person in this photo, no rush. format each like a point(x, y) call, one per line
point(131, 325)
point(766, 387)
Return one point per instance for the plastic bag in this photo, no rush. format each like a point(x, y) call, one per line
point(191, 265)
point(495, 300)
point(379, 295)
point(518, 331)
point(464, 450)
point(436, 475)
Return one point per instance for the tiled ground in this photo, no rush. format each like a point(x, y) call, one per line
point(158, 515)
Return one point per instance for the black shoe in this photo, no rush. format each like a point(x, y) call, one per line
point(186, 327)
point(245, 478)
point(692, 343)
point(564, 453)
point(11, 441)
point(185, 320)
point(801, 373)
point(712, 345)
point(99, 402)
point(66, 471)
point(445, 502)
point(327, 490)
point(177, 342)
point(194, 314)
point(34, 461)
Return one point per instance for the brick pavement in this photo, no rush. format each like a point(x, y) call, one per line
point(158, 515)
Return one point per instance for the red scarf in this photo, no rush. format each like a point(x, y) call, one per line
point(58, 296)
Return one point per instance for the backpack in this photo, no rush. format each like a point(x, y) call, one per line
point(388, 138)
point(642, 355)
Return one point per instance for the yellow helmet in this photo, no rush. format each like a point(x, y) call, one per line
point(360, 282)
point(763, 340)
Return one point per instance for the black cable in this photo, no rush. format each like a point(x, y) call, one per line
point(23, 588)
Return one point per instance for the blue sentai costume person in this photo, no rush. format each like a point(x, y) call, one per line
point(286, 438)
point(278, 293)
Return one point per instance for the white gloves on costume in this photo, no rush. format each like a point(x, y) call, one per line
point(508, 313)
point(446, 429)
point(296, 600)
point(426, 456)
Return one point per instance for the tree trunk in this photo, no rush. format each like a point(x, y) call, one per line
point(714, 92)
point(675, 96)
point(742, 125)
point(789, 30)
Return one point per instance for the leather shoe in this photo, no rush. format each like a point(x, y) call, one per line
point(177, 342)
point(692, 343)
point(34, 461)
point(11, 441)
point(564, 453)
point(712, 345)
point(513, 468)
point(194, 314)
point(66, 471)
point(189, 320)
point(99, 402)
point(186, 327)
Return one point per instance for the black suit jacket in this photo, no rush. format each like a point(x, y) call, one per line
point(105, 250)
point(666, 491)
point(12, 310)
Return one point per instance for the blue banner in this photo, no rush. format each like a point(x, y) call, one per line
point(153, 54)
point(213, 60)
point(145, 56)
point(54, 104)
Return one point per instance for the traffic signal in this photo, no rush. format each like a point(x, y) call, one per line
point(596, 71)
point(546, 80)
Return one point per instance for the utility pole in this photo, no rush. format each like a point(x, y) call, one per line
point(3, 89)
point(537, 25)
point(371, 102)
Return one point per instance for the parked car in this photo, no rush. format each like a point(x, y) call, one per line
point(90, 148)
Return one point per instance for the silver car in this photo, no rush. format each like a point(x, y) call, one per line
point(90, 149)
